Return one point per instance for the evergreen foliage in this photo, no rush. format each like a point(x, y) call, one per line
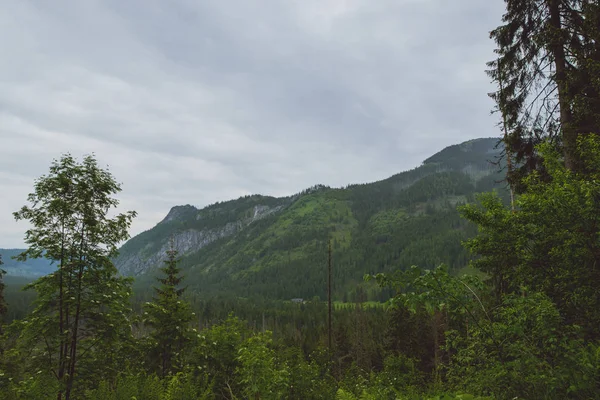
point(169, 316)
point(546, 73)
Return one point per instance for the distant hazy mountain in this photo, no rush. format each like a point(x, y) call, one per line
point(277, 247)
point(30, 268)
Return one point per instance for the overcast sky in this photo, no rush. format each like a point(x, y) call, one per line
point(198, 101)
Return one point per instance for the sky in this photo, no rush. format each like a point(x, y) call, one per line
point(198, 101)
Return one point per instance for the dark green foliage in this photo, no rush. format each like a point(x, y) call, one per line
point(524, 351)
point(169, 316)
point(519, 348)
point(216, 354)
point(307, 378)
point(522, 61)
point(81, 310)
point(19, 302)
point(551, 243)
point(181, 386)
point(455, 157)
point(260, 372)
point(546, 71)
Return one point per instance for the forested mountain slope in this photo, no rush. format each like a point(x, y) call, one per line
point(277, 247)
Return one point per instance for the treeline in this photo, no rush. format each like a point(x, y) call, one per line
point(523, 333)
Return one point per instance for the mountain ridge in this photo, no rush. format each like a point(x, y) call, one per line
point(247, 244)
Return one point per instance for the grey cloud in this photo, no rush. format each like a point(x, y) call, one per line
point(199, 101)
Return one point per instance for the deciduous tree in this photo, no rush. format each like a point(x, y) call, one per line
point(82, 306)
point(550, 244)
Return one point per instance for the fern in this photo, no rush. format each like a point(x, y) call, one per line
point(343, 395)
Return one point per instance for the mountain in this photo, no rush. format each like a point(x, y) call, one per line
point(277, 247)
point(30, 268)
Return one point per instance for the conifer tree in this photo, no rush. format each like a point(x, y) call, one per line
point(546, 70)
point(170, 316)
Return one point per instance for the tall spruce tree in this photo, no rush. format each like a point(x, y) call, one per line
point(169, 316)
point(81, 309)
point(546, 71)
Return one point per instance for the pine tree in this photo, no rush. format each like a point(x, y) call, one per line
point(170, 316)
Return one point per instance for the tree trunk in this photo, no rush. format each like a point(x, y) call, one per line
point(73, 351)
point(507, 148)
point(61, 326)
point(569, 132)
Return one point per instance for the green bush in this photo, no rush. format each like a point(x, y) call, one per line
point(524, 351)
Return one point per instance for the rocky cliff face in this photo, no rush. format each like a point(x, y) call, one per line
point(186, 241)
point(191, 230)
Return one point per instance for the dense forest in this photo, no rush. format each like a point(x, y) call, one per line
point(523, 323)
